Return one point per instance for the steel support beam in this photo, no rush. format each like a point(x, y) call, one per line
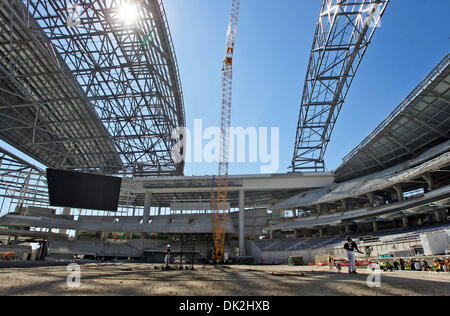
point(343, 34)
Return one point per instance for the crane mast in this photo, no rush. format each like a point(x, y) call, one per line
point(219, 217)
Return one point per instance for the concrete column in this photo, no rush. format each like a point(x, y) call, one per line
point(241, 223)
point(371, 198)
point(345, 205)
point(271, 232)
point(66, 211)
point(147, 207)
point(439, 216)
point(159, 211)
point(321, 232)
point(405, 221)
point(319, 209)
point(429, 180)
point(399, 190)
point(375, 227)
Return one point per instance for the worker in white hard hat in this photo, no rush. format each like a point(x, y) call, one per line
point(167, 258)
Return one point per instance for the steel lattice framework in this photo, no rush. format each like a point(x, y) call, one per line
point(343, 34)
point(83, 90)
point(21, 183)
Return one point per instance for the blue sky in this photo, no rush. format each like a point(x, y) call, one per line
point(272, 52)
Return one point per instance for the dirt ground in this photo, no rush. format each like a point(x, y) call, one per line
point(143, 279)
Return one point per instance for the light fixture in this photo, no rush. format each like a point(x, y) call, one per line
point(128, 13)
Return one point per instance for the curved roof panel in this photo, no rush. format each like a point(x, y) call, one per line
point(82, 89)
point(420, 122)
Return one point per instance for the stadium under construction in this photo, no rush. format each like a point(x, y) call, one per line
point(83, 98)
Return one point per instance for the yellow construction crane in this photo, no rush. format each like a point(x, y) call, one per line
point(219, 217)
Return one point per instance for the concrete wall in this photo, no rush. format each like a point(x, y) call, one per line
point(135, 248)
point(92, 248)
point(281, 257)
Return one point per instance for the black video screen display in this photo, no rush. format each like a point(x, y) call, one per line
point(82, 190)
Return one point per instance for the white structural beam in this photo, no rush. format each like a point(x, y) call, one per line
point(241, 223)
point(261, 182)
point(147, 207)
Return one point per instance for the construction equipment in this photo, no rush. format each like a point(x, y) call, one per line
point(7, 255)
point(219, 217)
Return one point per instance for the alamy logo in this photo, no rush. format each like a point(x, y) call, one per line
point(74, 15)
point(374, 278)
point(74, 278)
point(246, 145)
point(374, 15)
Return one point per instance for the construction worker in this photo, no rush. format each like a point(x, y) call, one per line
point(167, 258)
point(339, 266)
point(351, 247)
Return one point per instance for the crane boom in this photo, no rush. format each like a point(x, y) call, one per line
point(219, 218)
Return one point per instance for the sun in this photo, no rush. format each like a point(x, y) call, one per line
point(128, 13)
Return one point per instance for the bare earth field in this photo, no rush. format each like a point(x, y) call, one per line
point(143, 279)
